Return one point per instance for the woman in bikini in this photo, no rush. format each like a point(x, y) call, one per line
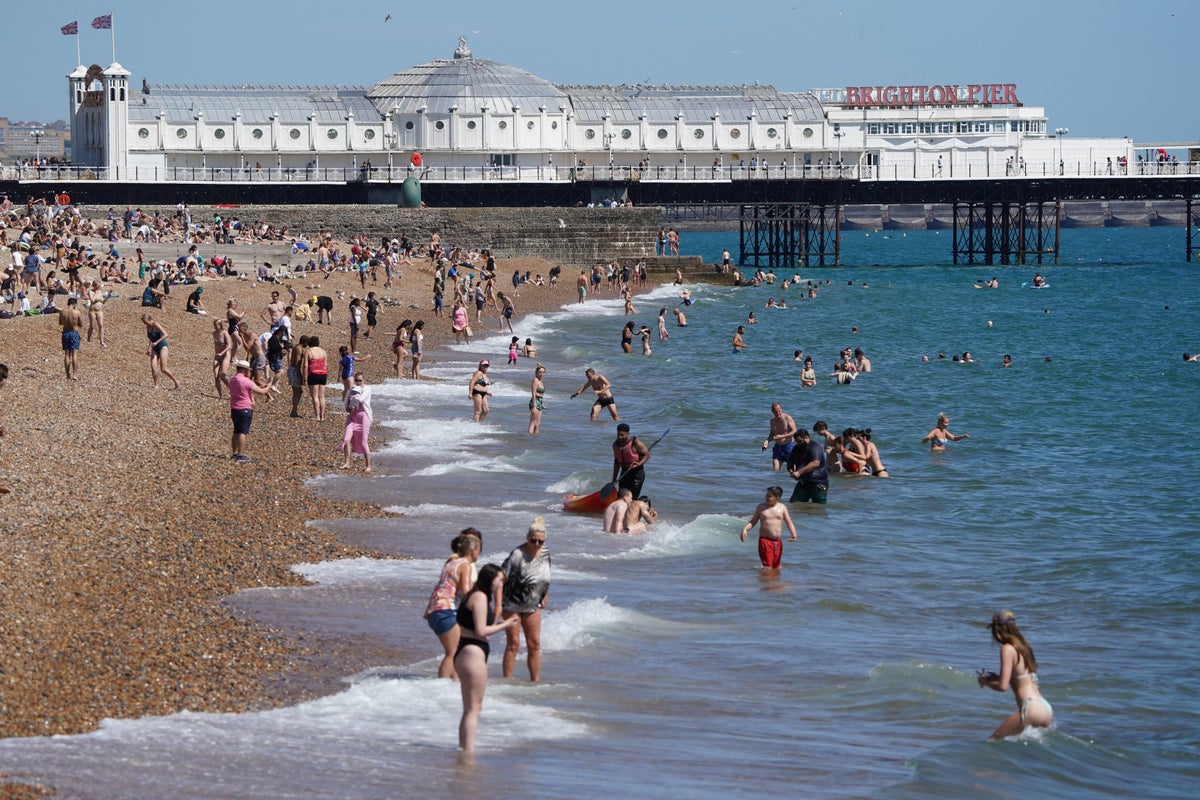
point(474, 615)
point(940, 436)
point(222, 344)
point(874, 460)
point(96, 312)
point(808, 375)
point(233, 319)
point(537, 391)
point(852, 452)
point(400, 346)
point(627, 338)
point(1018, 671)
point(296, 375)
point(315, 370)
point(417, 342)
point(477, 389)
point(157, 350)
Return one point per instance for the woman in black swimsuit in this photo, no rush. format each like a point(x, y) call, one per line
point(627, 338)
point(157, 350)
point(470, 661)
point(478, 388)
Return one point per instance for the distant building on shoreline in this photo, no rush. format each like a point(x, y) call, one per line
point(473, 117)
point(27, 141)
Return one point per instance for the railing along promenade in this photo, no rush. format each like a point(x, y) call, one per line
point(597, 174)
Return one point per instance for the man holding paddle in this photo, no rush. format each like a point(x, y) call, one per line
point(629, 457)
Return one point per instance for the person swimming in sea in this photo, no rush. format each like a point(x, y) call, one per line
point(941, 436)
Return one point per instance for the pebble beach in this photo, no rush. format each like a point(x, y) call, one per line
point(128, 524)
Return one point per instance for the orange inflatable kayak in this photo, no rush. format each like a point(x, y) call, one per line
point(593, 503)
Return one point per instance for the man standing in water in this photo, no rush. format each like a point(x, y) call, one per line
point(604, 396)
point(629, 459)
point(807, 465)
point(71, 320)
point(770, 516)
point(739, 344)
point(783, 427)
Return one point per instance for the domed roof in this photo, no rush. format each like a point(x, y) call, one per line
point(468, 83)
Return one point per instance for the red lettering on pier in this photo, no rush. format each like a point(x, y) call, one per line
point(946, 94)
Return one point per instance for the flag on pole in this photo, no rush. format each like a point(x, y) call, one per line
point(103, 23)
point(70, 29)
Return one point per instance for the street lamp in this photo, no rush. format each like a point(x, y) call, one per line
point(608, 142)
point(37, 134)
point(1059, 133)
point(838, 133)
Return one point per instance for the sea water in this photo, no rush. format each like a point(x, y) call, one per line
point(673, 666)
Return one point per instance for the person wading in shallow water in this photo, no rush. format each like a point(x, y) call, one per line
point(629, 459)
point(603, 390)
point(1018, 671)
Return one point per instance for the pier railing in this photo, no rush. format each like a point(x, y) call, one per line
point(681, 173)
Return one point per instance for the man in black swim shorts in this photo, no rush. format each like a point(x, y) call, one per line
point(604, 396)
point(629, 458)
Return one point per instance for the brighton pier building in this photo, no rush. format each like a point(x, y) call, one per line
point(466, 119)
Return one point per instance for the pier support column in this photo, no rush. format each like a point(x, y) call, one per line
point(1191, 227)
point(789, 235)
point(1003, 233)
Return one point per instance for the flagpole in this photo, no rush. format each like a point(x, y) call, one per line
point(112, 32)
point(78, 55)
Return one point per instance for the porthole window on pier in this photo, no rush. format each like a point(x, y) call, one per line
point(808, 133)
point(440, 125)
point(529, 125)
point(143, 133)
point(471, 125)
point(181, 133)
point(257, 133)
point(554, 125)
point(626, 133)
point(698, 133)
point(772, 133)
point(502, 125)
point(331, 133)
point(368, 134)
point(408, 126)
point(736, 133)
point(294, 133)
point(219, 133)
point(589, 134)
point(662, 133)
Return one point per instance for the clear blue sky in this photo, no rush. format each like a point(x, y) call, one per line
point(1099, 68)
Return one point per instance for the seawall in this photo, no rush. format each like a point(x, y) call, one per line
point(570, 236)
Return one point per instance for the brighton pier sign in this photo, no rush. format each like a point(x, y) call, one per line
point(971, 94)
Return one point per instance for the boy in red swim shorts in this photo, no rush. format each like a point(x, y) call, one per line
point(770, 516)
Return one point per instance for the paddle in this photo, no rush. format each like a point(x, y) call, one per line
point(611, 487)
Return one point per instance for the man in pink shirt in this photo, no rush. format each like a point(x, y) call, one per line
point(241, 406)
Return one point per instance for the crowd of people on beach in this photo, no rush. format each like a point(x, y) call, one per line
point(51, 249)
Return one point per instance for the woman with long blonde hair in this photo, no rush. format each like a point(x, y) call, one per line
point(1018, 671)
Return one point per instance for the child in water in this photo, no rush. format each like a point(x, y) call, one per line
point(770, 516)
point(514, 347)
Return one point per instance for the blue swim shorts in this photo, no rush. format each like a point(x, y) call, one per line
point(442, 620)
